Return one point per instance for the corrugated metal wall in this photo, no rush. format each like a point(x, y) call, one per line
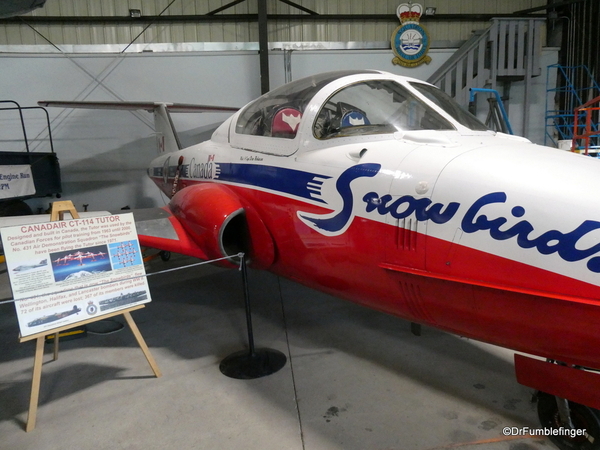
point(244, 31)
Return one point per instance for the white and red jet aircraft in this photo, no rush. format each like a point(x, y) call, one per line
point(379, 189)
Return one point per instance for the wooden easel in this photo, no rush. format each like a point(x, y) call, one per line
point(58, 210)
point(58, 213)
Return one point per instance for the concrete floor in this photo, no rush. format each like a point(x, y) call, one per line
point(354, 379)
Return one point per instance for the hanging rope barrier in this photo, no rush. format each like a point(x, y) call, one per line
point(201, 263)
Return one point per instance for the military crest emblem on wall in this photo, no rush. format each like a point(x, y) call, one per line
point(410, 41)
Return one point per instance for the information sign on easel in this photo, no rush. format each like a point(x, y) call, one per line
point(65, 273)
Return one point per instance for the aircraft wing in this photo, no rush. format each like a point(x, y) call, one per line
point(158, 228)
point(166, 136)
point(132, 106)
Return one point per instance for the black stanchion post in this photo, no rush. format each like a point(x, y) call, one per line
point(250, 364)
point(244, 270)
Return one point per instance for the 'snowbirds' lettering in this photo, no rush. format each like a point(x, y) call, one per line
point(423, 208)
point(567, 245)
point(547, 243)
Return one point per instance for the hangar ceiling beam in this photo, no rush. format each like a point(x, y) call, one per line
point(99, 20)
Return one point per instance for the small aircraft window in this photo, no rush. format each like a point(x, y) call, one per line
point(375, 107)
point(278, 113)
point(445, 102)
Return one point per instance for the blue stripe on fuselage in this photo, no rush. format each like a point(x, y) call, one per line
point(288, 181)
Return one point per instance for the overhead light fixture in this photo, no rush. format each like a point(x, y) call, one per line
point(430, 10)
point(135, 13)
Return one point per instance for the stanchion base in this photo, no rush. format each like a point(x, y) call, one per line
point(246, 366)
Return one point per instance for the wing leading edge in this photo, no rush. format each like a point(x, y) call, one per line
point(132, 106)
point(158, 228)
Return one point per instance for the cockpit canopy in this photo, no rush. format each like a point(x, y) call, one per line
point(278, 112)
point(367, 105)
